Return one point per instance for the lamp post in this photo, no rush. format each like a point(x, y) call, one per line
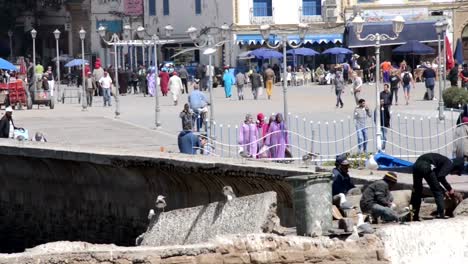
point(84, 104)
point(115, 41)
point(33, 35)
point(265, 30)
point(440, 29)
point(207, 39)
point(128, 31)
point(398, 24)
point(57, 37)
point(10, 36)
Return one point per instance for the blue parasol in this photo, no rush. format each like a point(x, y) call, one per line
point(337, 51)
point(264, 53)
point(414, 47)
point(6, 65)
point(76, 62)
point(302, 52)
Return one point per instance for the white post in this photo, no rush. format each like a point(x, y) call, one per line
point(441, 102)
point(285, 81)
point(84, 104)
point(57, 92)
point(156, 96)
point(378, 132)
point(116, 79)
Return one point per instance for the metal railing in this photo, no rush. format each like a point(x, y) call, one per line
point(308, 14)
point(261, 15)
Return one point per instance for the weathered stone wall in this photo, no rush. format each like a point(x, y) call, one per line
point(234, 249)
point(89, 195)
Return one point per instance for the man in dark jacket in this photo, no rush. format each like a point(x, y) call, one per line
point(341, 180)
point(433, 167)
point(453, 76)
point(377, 199)
point(6, 124)
point(188, 142)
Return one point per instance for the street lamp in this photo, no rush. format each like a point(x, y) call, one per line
point(265, 30)
point(84, 104)
point(10, 36)
point(114, 41)
point(208, 41)
point(57, 37)
point(441, 27)
point(33, 35)
point(397, 25)
point(155, 41)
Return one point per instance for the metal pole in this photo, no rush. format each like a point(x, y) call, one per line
point(122, 51)
point(84, 104)
point(34, 66)
point(58, 70)
point(378, 133)
point(444, 76)
point(136, 57)
point(285, 82)
point(116, 78)
point(441, 103)
point(143, 55)
point(210, 86)
point(156, 96)
point(130, 55)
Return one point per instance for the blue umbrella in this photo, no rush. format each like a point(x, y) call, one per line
point(76, 62)
point(6, 65)
point(303, 52)
point(458, 54)
point(337, 51)
point(264, 53)
point(414, 47)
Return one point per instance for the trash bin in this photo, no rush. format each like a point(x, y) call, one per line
point(312, 196)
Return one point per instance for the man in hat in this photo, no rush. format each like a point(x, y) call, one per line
point(176, 87)
point(377, 199)
point(341, 180)
point(433, 168)
point(7, 127)
point(90, 87)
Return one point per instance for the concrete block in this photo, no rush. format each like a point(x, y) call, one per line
point(209, 259)
point(237, 258)
point(179, 260)
point(264, 257)
point(244, 215)
point(462, 209)
point(291, 256)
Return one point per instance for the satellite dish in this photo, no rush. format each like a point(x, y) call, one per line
point(209, 51)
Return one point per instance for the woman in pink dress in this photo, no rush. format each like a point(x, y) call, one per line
point(277, 139)
point(248, 136)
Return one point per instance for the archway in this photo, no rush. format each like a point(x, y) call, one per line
point(465, 42)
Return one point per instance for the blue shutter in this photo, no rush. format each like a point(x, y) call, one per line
point(166, 7)
point(152, 7)
point(311, 7)
point(318, 10)
point(262, 8)
point(198, 7)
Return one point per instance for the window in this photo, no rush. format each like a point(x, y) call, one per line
point(198, 7)
point(262, 8)
point(152, 7)
point(311, 7)
point(166, 7)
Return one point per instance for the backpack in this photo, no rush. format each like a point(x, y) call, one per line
point(406, 78)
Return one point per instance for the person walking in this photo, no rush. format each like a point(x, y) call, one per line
point(106, 84)
point(152, 79)
point(339, 87)
point(123, 78)
point(433, 168)
point(197, 102)
point(228, 81)
point(357, 85)
point(200, 75)
point(256, 81)
point(164, 81)
point(385, 103)
point(186, 117)
point(98, 73)
point(386, 67)
point(248, 137)
point(183, 74)
point(134, 82)
point(90, 87)
point(395, 81)
point(429, 76)
point(270, 80)
point(142, 80)
point(176, 87)
point(240, 82)
point(361, 113)
point(377, 199)
point(453, 76)
point(277, 138)
point(7, 126)
point(407, 80)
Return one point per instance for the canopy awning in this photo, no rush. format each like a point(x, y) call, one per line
point(423, 31)
point(255, 39)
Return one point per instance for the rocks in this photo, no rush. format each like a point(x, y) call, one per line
point(346, 224)
point(462, 209)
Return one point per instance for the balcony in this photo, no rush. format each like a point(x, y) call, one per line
point(309, 14)
point(262, 15)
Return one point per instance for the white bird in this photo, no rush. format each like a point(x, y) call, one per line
point(244, 154)
point(229, 193)
point(160, 202)
point(371, 164)
point(344, 204)
point(151, 214)
point(354, 236)
point(363, 227)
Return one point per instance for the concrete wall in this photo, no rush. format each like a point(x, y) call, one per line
point(72, 194)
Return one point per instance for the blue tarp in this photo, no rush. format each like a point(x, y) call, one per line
point(390, 163)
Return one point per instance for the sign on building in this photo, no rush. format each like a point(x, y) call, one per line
point(133, 7)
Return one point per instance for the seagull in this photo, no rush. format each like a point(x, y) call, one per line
point(371, 164)
point(160, 202)
point(151, 214)
point(244, 155)
point(309, 156)
point(229, 193)
point(363, 227)
point(344, 204)
point(354, 236)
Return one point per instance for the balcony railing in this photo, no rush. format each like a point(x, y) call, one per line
point(261, 15)
point(309, 14)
